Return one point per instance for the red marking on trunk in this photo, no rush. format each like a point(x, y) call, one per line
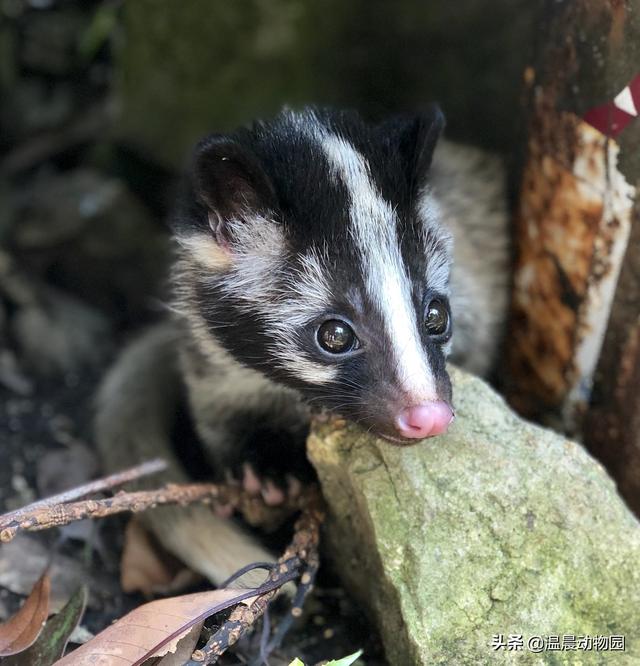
point(608, 119)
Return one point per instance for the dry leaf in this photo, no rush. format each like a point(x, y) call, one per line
point(153, 629)
point(184, 648)
point(145, 567)
point(23, 560)
point(21, 630)
point(54, 637)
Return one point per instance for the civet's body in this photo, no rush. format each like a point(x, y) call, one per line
point(323, 262)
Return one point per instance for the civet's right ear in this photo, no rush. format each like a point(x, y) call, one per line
point(415, 137)
point(231, 183)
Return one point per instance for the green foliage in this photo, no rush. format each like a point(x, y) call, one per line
point(54, 637)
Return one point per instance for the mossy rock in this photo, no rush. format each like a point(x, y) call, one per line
point(187, 69)
point(498, 527)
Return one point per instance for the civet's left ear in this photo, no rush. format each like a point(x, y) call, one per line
point(230, 180)
point(415, 136)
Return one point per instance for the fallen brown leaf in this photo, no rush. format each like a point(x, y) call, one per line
point(184, 648)
point(146, 567)
point(53, 639)
point(153, 629)
point(21, 630)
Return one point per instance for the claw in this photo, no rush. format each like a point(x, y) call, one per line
point(250, 481)
point(271, 494)
point(294, 487)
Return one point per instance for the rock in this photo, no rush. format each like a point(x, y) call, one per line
point(208, 68)
point(46, 330)
point(58, 208)
point(498, 527)
point(53, 332)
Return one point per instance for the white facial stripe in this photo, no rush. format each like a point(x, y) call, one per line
point(254, 282)
point(374, 229)
point(311, 294)
point(251, 271)
point(305, 369)
point(437, 240)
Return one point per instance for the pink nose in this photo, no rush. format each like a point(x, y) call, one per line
point(426, 420)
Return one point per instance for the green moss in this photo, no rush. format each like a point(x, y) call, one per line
point(192, 68)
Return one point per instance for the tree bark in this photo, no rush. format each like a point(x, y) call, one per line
point(577, 281)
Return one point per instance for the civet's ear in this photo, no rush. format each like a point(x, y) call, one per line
point(230, 181)
point(415, 136)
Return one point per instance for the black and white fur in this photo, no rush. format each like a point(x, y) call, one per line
point(313, 216)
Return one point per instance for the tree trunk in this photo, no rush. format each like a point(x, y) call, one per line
point(577, 278)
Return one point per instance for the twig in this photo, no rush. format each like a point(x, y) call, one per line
point(304, 587)
point(45, 517)
point(55, 513)
point(106, 483)
point(301, 555)
point(300, 559)
point(51, 511)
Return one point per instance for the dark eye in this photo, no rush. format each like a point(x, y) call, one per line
point(337, 337)
point(436, 320)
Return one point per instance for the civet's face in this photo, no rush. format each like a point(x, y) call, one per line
point(320, 260)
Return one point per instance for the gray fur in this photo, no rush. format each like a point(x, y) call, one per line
point(469, 185)
point(133, 414)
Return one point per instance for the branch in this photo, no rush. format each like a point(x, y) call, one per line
point(58, 510)
point(301, 556)
point(300, 560)
point(45, 517)
point(97, 486)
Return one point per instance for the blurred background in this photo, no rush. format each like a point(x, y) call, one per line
point(100, 103)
